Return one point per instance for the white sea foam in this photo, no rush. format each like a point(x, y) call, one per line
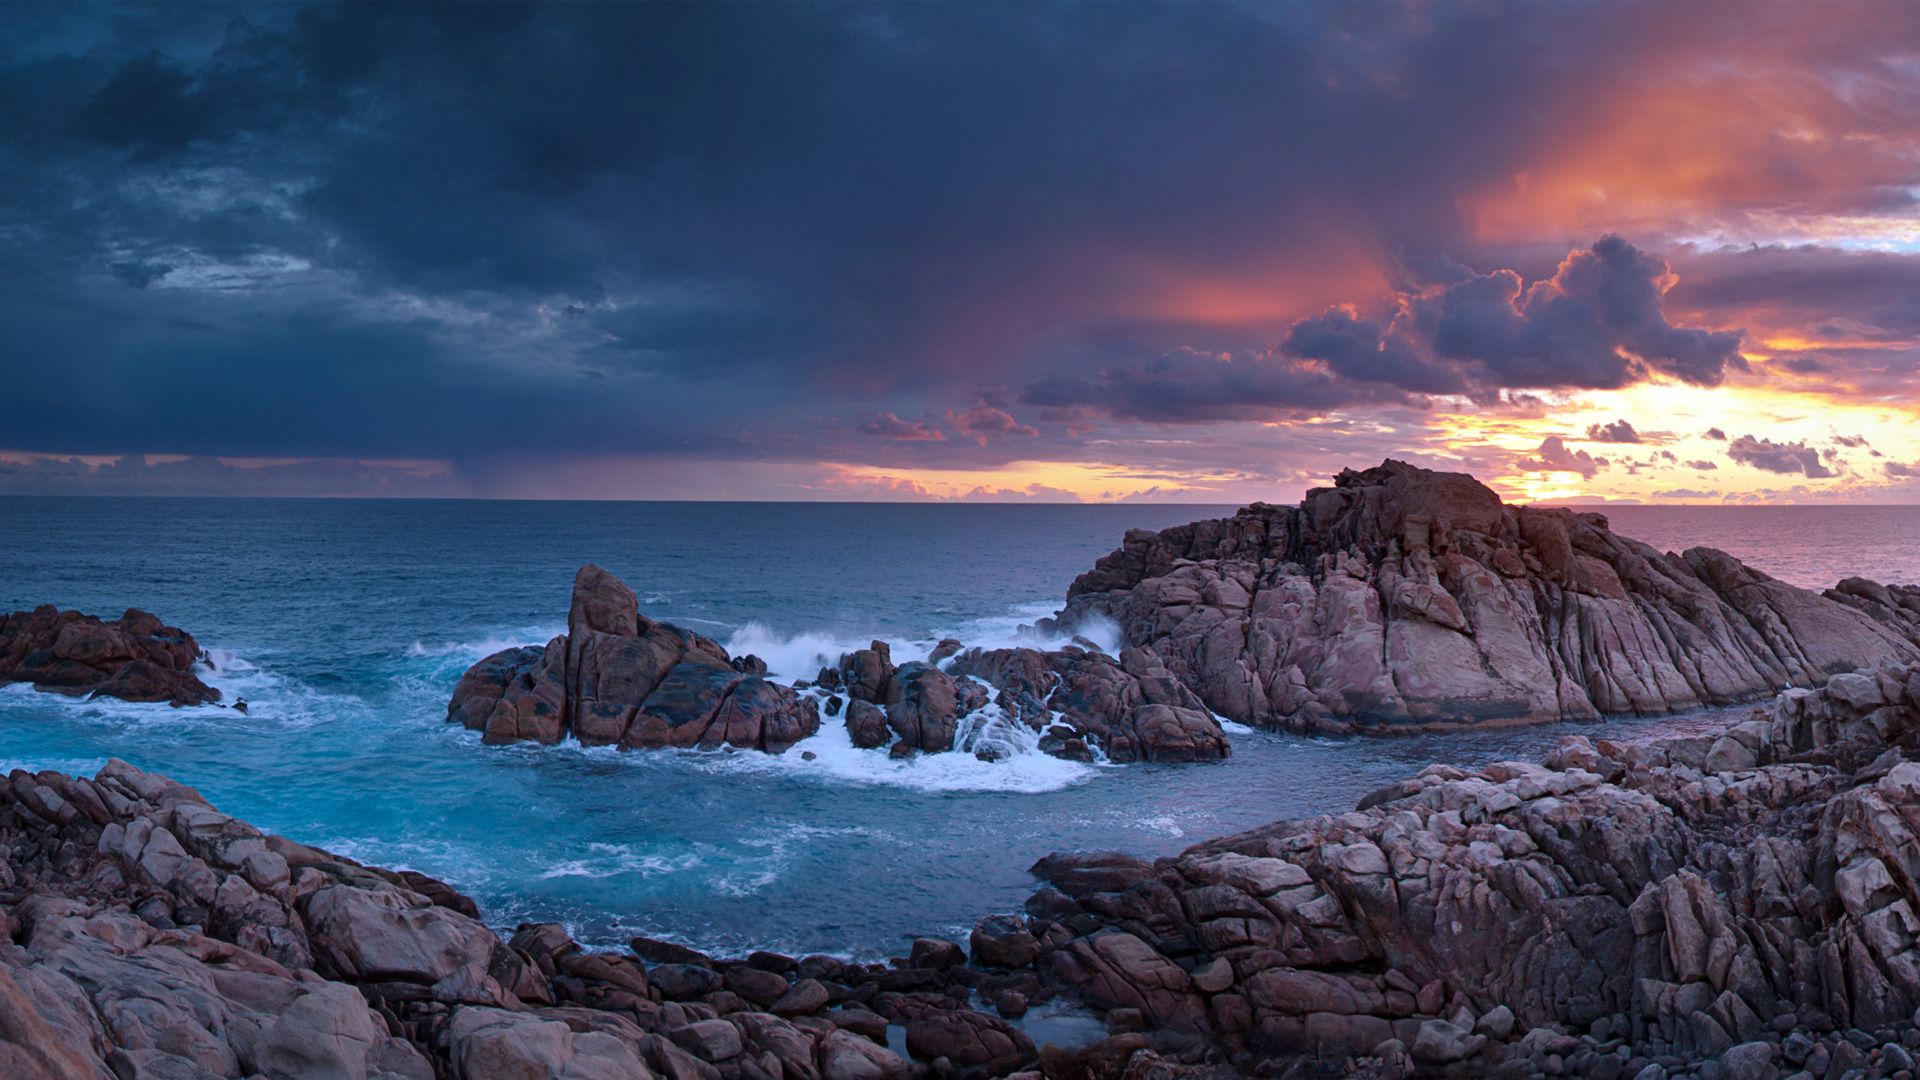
point(614, 860)
point(1232, 727)
point(796, 656)
point(270, 697)
point(1025, 769)
point(801, 655)
point(481, 648)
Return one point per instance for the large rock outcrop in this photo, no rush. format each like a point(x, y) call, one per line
point(1405, 597)
point(144, 935)
point(617, 678)
point(1749, 897)
point(135, 657)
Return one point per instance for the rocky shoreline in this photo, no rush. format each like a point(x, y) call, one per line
point(1737, 904)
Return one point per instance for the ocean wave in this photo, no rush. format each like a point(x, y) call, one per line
point(1023, 769)
point(271, 698)
point(801, 654)
point(480, 648)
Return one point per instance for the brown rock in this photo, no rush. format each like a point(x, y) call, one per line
point(136, 657)
point(1404, 597)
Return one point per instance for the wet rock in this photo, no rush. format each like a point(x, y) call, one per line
point(924, 713)
point(1003, 941)
point(135, 657)
point(868, 673)
point(867, 725)
point(684, 982)
point(619, 678)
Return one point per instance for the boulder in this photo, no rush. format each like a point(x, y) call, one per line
point(1003, 941)
point(617, 678)
point(967, 1039)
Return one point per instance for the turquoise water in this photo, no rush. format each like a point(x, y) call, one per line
point(345, 625)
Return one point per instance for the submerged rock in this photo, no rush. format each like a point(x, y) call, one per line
point(618, 678)
point(1731, 897)
point(1406, 597)
point(135, 657)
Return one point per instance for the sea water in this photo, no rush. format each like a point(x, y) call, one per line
point(345, 624)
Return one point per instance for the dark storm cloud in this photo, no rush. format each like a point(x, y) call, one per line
point(1362, 351)
point(1619, 431)
point(469, 232)
point(1188, 386)
point(889, 426)
point(1598, 323)
point(1778, 457)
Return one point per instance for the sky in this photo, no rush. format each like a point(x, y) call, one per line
point(1203, 252)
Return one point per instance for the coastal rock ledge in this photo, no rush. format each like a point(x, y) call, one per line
point(1744, 903)
point(1403, 597)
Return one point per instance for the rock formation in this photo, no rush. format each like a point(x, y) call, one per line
point(1749, 899)
point(1076, 700)
point(616, 678)
point(136, 657)
point(1405, 597)
point(146, 935)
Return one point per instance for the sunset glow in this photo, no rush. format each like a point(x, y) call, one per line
point(1555, 245)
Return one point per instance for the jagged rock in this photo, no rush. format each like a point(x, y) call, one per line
point(867, 724)
point(1132, 708)
point(618, 678)
point(515, 694)
point(1003, 941)
point(145, 934)
point(868, 673)
point(1634, 892)
point(1406, 597)
point(135, 657)
point(924, 712)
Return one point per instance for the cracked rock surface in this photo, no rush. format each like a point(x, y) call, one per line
point(1748, 899)
point(1403, 597)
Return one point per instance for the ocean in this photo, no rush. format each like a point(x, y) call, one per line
point(345, 624)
